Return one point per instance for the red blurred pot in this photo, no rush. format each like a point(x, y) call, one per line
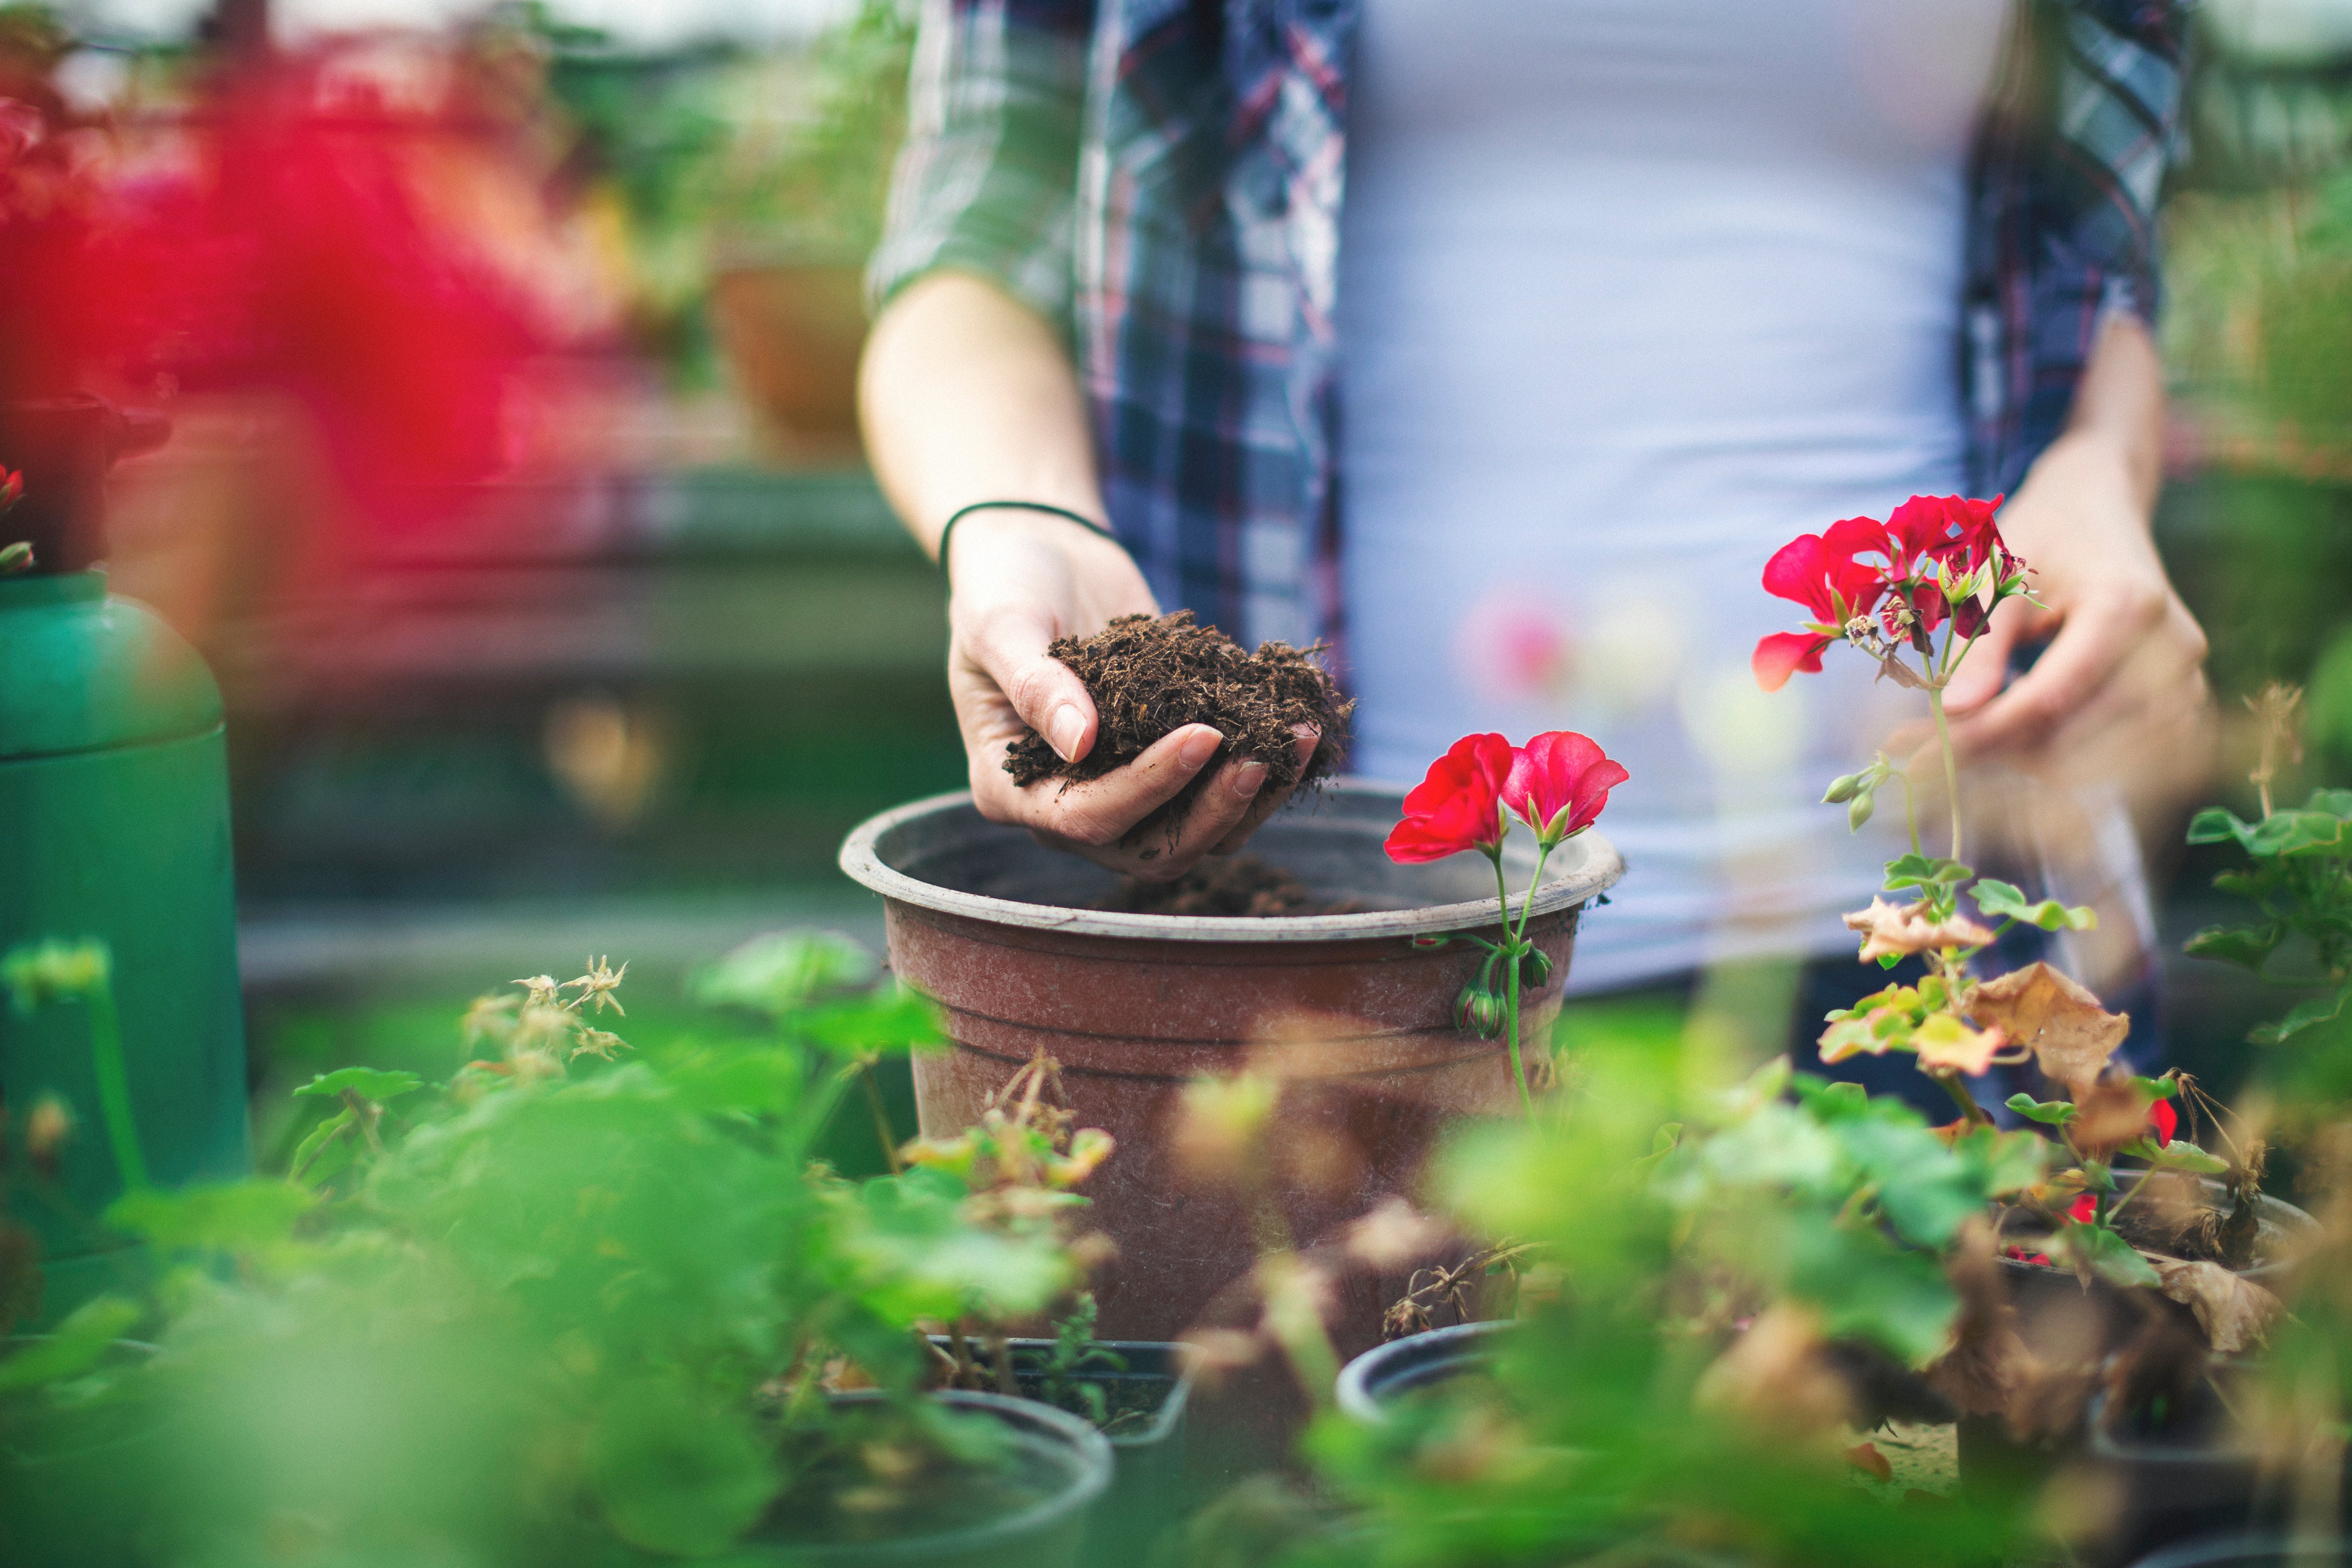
point(1355, 1020)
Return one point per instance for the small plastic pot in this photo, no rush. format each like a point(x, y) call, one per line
point(1148, 1458)
point(1070, 1460)
point(1375, 1381)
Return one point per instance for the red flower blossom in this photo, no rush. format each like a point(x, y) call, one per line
point(1458, 806)
point(1819, 571)
point(2163, 1121)
point(2084, 1209)
point(1558, 783)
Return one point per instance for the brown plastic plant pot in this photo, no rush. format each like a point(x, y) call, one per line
point(1355, 1021)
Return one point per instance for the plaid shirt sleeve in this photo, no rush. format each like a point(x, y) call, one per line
point(2069, 171)
point(987, 178)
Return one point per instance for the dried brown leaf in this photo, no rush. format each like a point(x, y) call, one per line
point(2053, 1015)
point(1986, 1359)
point(2234, 1311)
point(1904, 929)
point(1866, 1456)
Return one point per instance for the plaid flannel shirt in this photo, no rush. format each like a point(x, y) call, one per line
point(1163, 178)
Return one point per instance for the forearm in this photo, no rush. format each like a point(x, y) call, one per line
point(2115, 435)
point(967, 395)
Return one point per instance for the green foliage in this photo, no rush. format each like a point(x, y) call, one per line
point(568, 1304)
point(1926, 873)
point(1841, 1202)
point(2000, 900)
point(1596, 1439)
point(2299, 877)
point(2100, 1250)
point(2049, 1112)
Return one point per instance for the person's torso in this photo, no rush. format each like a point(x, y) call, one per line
point(1630, 293)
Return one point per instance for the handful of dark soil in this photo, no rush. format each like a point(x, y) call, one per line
point(1239, 886)
point(1150, 677)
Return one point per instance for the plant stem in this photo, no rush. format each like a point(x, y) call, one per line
point(1511, 1022)
point(1951, 762)
point(881, 1117)
point(1511, 992)
point(114, 1085)
point(1969, 1110)
point(1527, 908)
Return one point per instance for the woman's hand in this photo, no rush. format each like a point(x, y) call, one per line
point(2119, 694)
point(1021, 580)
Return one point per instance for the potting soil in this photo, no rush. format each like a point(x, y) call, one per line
point(1239, 886)
point(1150, 677)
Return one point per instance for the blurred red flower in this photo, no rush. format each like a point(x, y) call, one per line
point(2163, 1121)
point(1458, 806)
point(2084, 1209)
point(1558, 783)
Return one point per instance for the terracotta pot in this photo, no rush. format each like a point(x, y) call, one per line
point(1356, 1021)
point(792, 333)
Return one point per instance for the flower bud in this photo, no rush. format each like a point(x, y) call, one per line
point(16, 558)
point(1535, 970)
point(1842, 789)
point(1480, 1011)
point(1859, 811)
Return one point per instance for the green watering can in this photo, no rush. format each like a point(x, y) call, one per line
point(113, 826)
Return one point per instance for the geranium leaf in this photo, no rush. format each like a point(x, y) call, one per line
point(2332, 802)
point(2318, 1010)
point(2106, 1254)
point(229, 1217)
point(368, 1083)
point(2217, 825)
point(2247, 946)
point(1998, 897)
point(2049, 1112)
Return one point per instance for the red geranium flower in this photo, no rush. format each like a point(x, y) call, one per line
point(2084, 1209)
point(1819, 571)
point(1558, 783)
point(1457, 806)
point(2163, 1121)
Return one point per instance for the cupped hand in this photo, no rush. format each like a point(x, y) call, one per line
point(1022, 580)
point(2119, 696)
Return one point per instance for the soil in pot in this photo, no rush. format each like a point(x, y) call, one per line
point(1235, 887)
point(1150, 677)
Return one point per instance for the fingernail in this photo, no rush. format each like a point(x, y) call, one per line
point(1195, 752)
point(1064, 729)
point(1247, 778)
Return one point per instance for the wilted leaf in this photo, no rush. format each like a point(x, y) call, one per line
point(1943, 1041)
point(1865, 1457)
point(1901, 930)
point(2053, 1015)
point(2235, 1313)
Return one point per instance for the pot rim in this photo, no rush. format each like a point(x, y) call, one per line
point(1455, 1342)
point(1579, 869)
point(1094, 1463)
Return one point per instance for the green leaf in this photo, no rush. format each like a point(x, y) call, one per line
point(2247, 946)
point(301, 1168)
point(2049, 1112)
point(677, 1475)
point(73, 1348)
point(2294, 833)
point(368, 1083)
point(2106, 1254)
point(784, 971)
point(2217, 825)
point(2318, 1010)
point(2003, 1163)
point(1997, 898)
point(230, 1217)
point(896, 1020)
point(2332, 801)
point(2176, 1155)
point(1919, 871)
